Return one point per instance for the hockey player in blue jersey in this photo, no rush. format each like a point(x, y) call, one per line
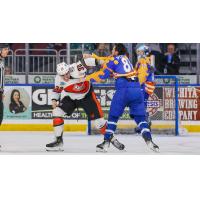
point(128, 94)
point(146, 67)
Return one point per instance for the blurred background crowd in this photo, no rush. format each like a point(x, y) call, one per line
point(41, 58)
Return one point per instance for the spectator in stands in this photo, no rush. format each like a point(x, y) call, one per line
point(16, 106)
point(156, 51)
point(8, 71)
point(55, 46)
point(89, 46)
point(16, 46)
point(102, 50)
point(171, 61)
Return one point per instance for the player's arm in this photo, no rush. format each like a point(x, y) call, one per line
point(142, 70)
point(92, 60)
point(106, 72)
point(142, 76)
point(56, 92)
point(150, 83)
point(99, 76)
point(150, 87)
point(98, 60)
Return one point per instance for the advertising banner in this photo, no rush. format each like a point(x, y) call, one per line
point(41, 79)
point(35, 103)
point(186, 79)
point(161, 104)
point(17, 103)
point(15, 79)
point(189, 103)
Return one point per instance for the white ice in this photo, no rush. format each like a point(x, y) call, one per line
point(76, 143)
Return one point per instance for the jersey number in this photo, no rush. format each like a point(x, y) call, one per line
point(80, 67)
point(126, 65)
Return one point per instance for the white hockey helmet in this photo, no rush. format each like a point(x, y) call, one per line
point(62, 68)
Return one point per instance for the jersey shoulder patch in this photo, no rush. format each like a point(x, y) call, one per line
point(116, 62)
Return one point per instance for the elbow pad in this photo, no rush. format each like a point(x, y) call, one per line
point(98, 76)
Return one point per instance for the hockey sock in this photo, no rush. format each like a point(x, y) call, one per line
point(103, 129)
point(111, 126)
point(147, 119)
point(144, 127)
point(58, 124)
point(101, 124)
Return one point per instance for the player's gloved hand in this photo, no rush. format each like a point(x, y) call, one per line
point(114, 75)
point(85, 55)
point(149, 87)
point(54, 104)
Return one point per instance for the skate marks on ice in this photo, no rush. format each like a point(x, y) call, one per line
point(34, 143)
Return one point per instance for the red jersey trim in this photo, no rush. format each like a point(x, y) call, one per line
point(78, 88)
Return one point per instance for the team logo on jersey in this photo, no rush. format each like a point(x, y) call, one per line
point(153, 104)
point(80, 88)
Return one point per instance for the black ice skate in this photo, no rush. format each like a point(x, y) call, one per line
point(152, 145)
point(103, 147)
point(57, 145)
point(117, 144)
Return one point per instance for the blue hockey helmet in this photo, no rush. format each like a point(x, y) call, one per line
point(142, 50)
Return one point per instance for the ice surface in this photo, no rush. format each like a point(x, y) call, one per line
point(77, 143)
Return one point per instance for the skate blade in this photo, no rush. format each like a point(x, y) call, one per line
point(123, 150)
point(101, 150)
point(57, 149)
point(156, 150)
point(151, 147)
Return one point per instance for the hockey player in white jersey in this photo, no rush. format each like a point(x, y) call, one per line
point(72, 91)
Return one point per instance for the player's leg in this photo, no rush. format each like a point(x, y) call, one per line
point(109, 136)
point(67, 106)
point(146, 97)
point(116, 110)
point(58, 126)
point(1, 108)
point(93, 109)
point(146, 132)
point(137, 129)
point(138, 112)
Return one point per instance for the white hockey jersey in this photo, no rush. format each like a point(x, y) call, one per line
point(76, 87)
